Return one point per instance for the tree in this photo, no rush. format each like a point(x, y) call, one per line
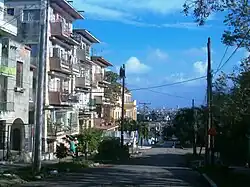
point(231, 110)
point(237, 19)
point(113, 91)
point(89, 140)
point(183, 124)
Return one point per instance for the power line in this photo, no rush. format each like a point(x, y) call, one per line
point(170, 84)
point(233, 53)
point(224, 55)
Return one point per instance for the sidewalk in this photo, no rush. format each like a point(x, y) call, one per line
point(144, 147)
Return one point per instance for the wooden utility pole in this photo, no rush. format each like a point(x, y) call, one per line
point(40, 87)
point(209, 147)
point(194, 128)
point(122, 76)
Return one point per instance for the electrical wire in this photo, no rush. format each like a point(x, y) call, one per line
point(169, 84)
point(224, 55)
point(233, 53)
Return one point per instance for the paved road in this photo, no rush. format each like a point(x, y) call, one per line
point(157, 167)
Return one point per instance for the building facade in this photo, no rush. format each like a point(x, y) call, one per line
point(101, 104)
point(62, 65)
point(15, 133)
point(130, 108)
point(83, 82)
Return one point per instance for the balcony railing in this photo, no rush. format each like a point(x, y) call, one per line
point(6, 106)
point(98, 100)
point(8, 23)
point(63, 31)
point(62, 98)
point(60, 129)
point(10, 19)
point(130, 105)
point(82, 82)
point(59, 64)
point(81, 54)
point(58, 98)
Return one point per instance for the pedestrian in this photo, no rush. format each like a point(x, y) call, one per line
point(72, 147)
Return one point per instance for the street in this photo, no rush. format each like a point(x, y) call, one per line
point(157, 167)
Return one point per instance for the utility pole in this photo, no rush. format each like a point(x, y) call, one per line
point(40, 86)
point(209, 139)
point(194, 128)
point(122, 76)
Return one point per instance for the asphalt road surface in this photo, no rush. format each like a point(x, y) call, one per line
point(159, 166)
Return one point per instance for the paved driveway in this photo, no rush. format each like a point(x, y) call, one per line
point(157, 167)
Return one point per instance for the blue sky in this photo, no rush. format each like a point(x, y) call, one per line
point(158, 45)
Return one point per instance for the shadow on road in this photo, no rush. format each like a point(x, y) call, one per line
point(149, 170)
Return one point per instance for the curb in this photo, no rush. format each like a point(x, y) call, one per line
point(210, 181)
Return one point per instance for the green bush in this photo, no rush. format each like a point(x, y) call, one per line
point(61, 151)
point(111, 150)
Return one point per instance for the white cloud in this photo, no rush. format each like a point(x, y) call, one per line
point(131, 11)
point(157, 55)
point(185, 25)
point(161, 55)
point(200, 67)
point(247, 54)
point(153, 6)
point(134, 66)
point(202, 51)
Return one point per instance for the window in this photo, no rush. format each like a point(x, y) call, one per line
point(19, 74)
point(31, 15)
point(10, 11)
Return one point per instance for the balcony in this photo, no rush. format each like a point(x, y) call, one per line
point(8, 25)
point(62, 31)
point(60, 98)
point(59, 64)
point(82, 82)
point(6, 106)
point(130, 105)
point(81, 54)
point(55, 130)
point(98, 100)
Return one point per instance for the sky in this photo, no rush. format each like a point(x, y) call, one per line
point(159, 45)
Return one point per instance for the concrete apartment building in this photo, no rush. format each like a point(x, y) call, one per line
point(84, 81)
point(62, 64)
point(15, 133)
point(129, 107)
point(99, 83)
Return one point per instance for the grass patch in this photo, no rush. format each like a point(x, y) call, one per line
point(26, 173)
point(225, 177)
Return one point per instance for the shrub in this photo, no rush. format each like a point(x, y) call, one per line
point(89, 140)
point(110, 150)
point(61, 151)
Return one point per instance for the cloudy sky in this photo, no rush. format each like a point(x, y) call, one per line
point(158, 45)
